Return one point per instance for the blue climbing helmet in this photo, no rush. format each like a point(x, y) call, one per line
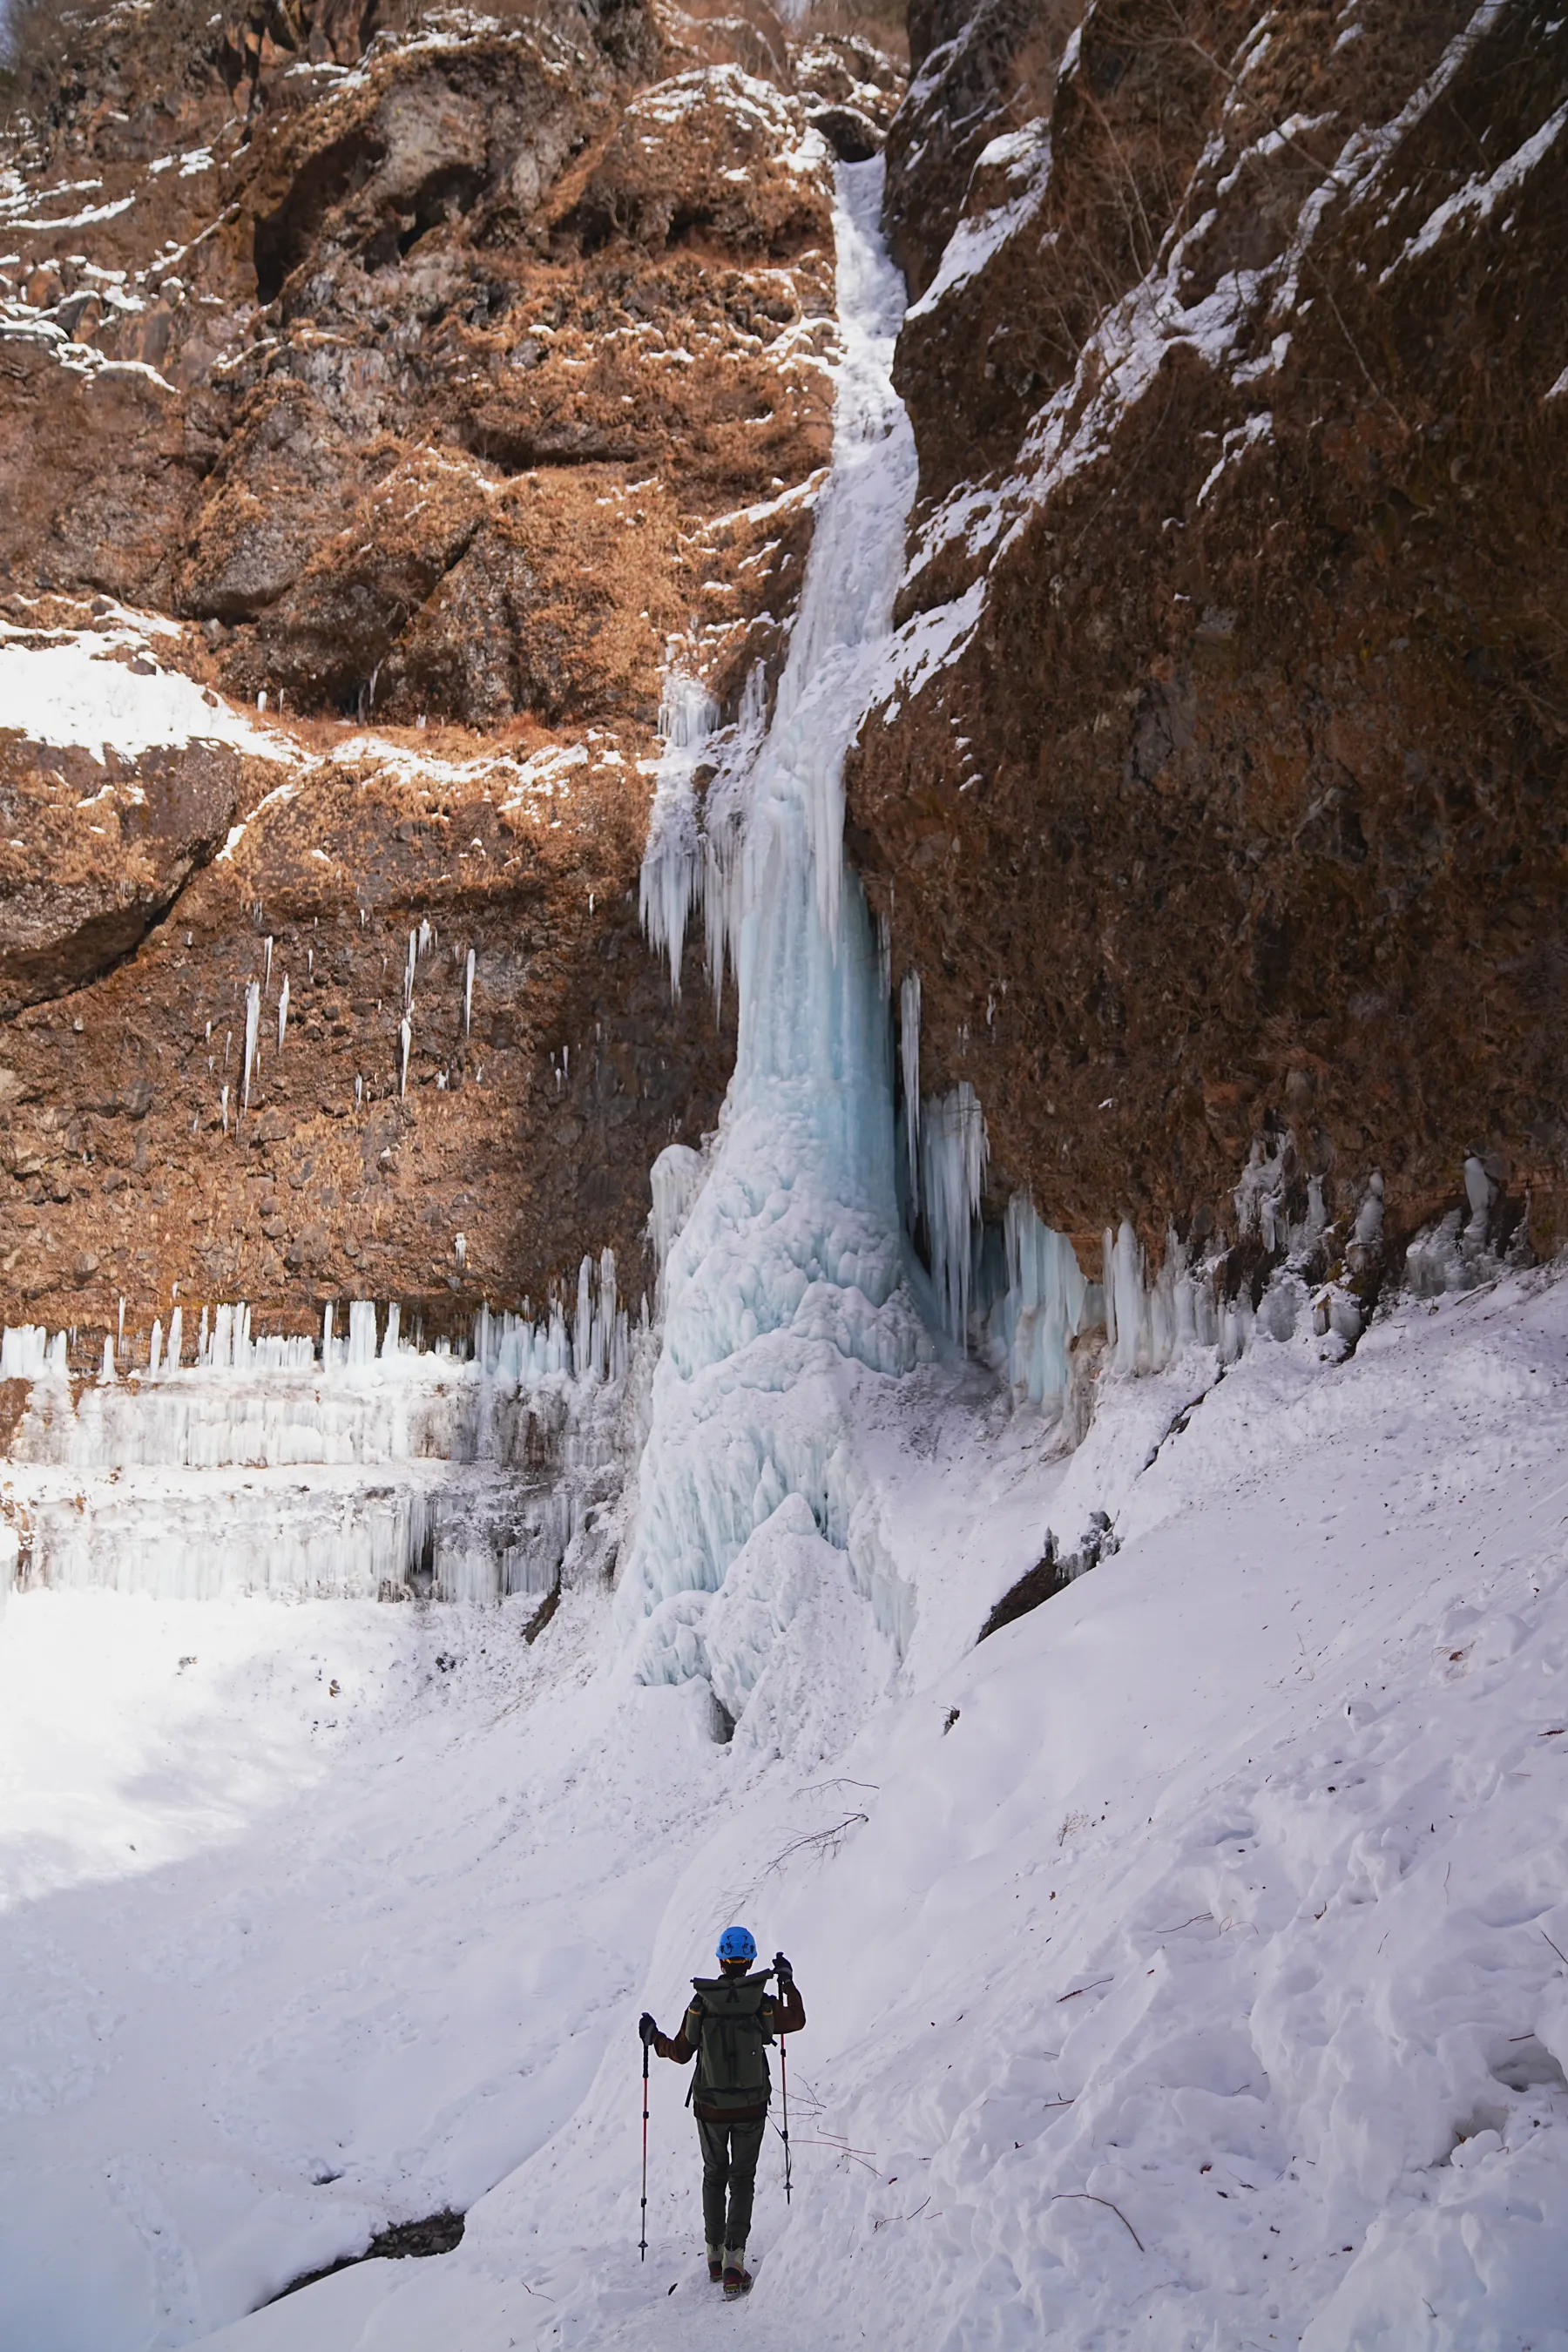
point(738, 1944)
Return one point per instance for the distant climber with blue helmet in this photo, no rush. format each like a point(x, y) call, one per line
point(731, 2019)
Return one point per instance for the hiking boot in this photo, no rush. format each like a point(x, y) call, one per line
point(737, 2281)
point(715, 2268)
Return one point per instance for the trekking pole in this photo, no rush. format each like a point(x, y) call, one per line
point(784, 1974)
point(644, 2043)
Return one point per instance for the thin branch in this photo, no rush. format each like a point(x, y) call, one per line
point(1372, 383)
point(849, 2152)
point(886, 2221)
point(827, 1842)
point(1087, 2197)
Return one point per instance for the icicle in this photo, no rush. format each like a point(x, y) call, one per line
point(282, 1010)
point(1126, 1304)
point(721, 888)
point(468, 994)
point(408, 970)
point(176, 1338)
point(953, 1152)
point(155, 1348)
point(389, 1342)
point(672, 868)
point(460, 1250)
point(1046, 1302)
point(426, 935)
point(910, 1051)
point(327, 1337)
point(108, 1372)
point(223, 1108)
point(252, 1020)
point(23, 1351)
point(675, 1179)
point(266, 975)
point(120, 1329)
point(583, 1326)
point(361, 1333)
point(404, 1038)
point(607, 1313)
point(202, 1357)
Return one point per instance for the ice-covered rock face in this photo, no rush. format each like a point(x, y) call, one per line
point(786, 1294)
point(375, 1469)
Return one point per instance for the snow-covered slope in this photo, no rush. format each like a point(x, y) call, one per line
point(1230, 1897)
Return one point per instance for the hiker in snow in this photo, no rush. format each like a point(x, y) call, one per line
point(731, 2019)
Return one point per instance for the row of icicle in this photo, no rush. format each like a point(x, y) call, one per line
point(420, 941)
point(589, 1339)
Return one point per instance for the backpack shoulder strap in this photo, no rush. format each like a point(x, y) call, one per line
point(697, 2003)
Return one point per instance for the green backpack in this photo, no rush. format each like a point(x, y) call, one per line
point(731, 2057)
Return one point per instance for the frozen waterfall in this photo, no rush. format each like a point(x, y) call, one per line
point(785, 1290)
point(783, 1274)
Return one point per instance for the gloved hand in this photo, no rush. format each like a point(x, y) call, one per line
point(782, 1969)
point(647, 2028)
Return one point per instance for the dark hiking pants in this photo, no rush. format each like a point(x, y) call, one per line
point(729, 2153)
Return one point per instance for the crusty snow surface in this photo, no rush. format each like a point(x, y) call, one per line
point(69, 686)
point(1185, 1968)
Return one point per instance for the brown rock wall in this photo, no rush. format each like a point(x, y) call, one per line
point(92, 853)
point(527, 1132)
point(445, 384)
point(1239, 807)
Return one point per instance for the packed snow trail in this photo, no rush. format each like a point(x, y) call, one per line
point(1244, 1854)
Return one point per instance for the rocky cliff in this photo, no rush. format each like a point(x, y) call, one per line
point(424, 395)
point(1220, 806)
point(388, 408)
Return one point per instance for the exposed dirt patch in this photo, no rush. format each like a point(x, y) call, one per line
point(437, 2233)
